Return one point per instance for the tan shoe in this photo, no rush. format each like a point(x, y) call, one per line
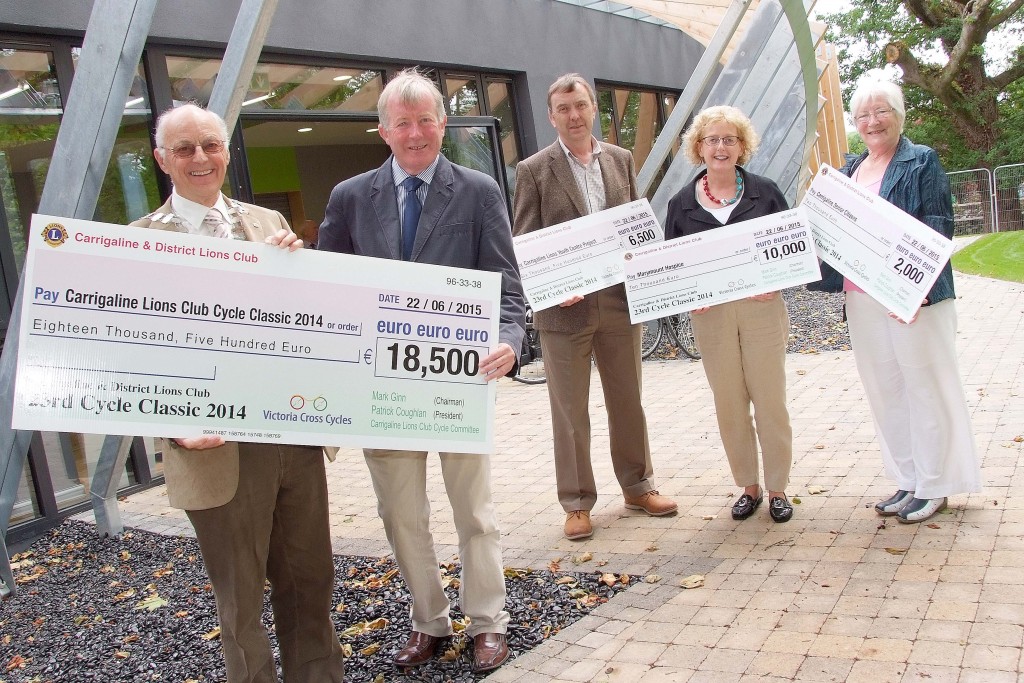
point(577, 525)
point(653, 503)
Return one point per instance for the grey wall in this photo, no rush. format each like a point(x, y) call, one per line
point(537, 40)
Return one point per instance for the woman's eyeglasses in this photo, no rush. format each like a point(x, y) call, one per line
point(713, 140)
point(878, 114)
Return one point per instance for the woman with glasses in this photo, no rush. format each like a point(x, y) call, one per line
point(908, 368)
point(743, 343)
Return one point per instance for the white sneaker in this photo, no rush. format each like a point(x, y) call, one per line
point(920, 509)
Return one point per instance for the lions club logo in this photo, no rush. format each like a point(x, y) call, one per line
point(55, 234)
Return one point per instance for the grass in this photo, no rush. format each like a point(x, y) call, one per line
point(999, 255)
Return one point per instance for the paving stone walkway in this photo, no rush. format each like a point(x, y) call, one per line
point(834, 595)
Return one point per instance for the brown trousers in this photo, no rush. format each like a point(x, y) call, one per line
point(615, 345)
point(276, 527)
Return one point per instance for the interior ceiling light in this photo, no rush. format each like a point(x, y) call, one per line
point(258, 99)
point(343, 77)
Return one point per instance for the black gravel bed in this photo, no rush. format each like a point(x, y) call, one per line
point(139, 608)
point(815, 319)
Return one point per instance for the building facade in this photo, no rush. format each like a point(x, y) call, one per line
point(309, 121)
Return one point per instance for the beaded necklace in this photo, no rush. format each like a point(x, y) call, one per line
point(725, 202)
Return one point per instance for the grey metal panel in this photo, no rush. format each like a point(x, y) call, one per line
point(110, 56)
point(773, 79)
point(687, 101)
point(240, 57)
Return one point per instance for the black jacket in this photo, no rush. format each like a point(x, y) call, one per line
point(685, 216)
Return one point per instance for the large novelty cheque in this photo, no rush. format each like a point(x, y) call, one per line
point(159, 333)
point(716, 266)
point(583, 255)
point(886, 252)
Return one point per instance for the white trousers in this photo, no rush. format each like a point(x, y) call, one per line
point(400, 482)
point(912, 382)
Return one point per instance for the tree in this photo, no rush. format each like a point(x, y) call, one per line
point(962, 64)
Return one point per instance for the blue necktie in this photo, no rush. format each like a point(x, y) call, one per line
point(411, 215)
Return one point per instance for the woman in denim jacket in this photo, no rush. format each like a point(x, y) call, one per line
point(908, 368)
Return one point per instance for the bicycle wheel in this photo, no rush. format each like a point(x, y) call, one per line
point(682, 330)
point(650, 338)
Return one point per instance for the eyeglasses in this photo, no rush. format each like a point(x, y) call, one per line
point(713, 140)
point(188, 150)
point(878, 114)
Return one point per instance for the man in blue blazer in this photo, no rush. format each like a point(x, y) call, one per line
point(420, 207)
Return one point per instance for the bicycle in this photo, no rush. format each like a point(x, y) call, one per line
point(677, 328)
point(530, 355)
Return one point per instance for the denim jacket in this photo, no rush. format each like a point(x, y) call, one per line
point(916, 183)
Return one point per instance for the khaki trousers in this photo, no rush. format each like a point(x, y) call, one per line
point(276, 527)
point(615, 344)
point(400, 482)
point(743, 350)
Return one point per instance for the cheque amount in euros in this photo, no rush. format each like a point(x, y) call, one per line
point(409, 359)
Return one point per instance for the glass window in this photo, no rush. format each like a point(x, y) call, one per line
point(501, 105)
point(30, 114)
point(463, 97)
point(30, 109)
point(633, 118)
point(277, 86)
point(470, 146)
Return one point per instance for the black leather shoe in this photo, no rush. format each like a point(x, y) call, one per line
point(780, 509)
point(419, 649)
point(490, 650)
point(746, 505)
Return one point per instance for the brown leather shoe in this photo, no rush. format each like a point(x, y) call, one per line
point(490, 650)
point(419, 649)
point(577, 525)
point(653, 503)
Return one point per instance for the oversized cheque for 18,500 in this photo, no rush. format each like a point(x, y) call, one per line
point(160, 333)
point(583, 255)
point(886, 252)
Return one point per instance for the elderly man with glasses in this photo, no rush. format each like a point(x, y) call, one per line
point(259, 510)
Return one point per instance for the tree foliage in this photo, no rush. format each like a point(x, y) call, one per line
point(962, 70)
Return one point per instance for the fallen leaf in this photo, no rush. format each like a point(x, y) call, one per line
point(16, 662)
point(554, 566)
point(121, 654)
point(708, 518)
point(370, 649)
point(181, 614)
point(511, 573)
point(796, 500)
point(896, 551)
point(210, 635)
point(151, 603)
point(933, 525)
point(601, 563)
point(565, 580)
point(819, 446)
point(625, 579)
point(652, 578)
point(346, 650)
point(459, 625)
point(580, 559)
point(125, 595)
point(608, 579)
point(815, 490)
point(1018, 439)
point(651, 548)
point(692, 581)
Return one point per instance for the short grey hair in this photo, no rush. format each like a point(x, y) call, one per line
point(165, 118)
point(887, 90)
point(567, 83)
point(408, 87)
